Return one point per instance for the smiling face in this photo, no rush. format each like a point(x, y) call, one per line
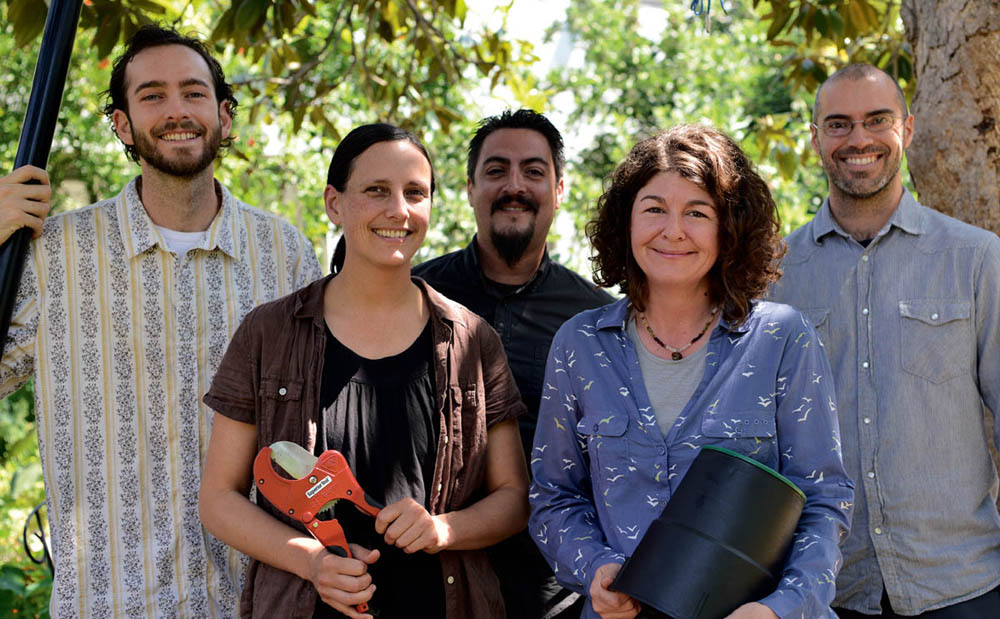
point(385, 206)
point(173, 119)
point(862, 165)
point(674, 232)
point(514, 192)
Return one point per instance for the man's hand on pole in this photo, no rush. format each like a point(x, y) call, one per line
point(22, 203)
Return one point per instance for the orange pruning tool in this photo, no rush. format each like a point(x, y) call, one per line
point(318, 484)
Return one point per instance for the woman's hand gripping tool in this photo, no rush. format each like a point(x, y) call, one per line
point(318, 484)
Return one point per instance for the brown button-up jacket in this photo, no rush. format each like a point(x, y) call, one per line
point(271, 377)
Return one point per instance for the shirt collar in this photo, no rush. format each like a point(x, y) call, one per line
point(907, 217)
point(142, 234)
point(615, 316)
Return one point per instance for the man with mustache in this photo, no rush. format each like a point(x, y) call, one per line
point(907, 303)
point(505, 275)
point(124, 311)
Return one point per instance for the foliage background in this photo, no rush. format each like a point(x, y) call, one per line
point(306, 72)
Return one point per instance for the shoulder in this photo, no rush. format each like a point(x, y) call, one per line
point(256, 218)
point(579, 287)
point(456, 313)
point(586, 324)
point(944, 231)
point(800, 245)
point(437, 266)
point(268, 317)
point(767, 315)
point(81, 221)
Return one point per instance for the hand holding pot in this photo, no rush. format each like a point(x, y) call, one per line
point(753, 610)
point(611, 604)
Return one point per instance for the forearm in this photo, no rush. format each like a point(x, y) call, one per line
point(232, 518)
point(488, 521)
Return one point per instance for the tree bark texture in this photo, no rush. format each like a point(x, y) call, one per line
point(955, 154)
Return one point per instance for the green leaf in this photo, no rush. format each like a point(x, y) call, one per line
point(106, 36)
point(28, 19)
point(250, 13)
point(25, 479)
point(11, 579)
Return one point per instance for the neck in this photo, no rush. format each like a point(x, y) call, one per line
point(496, 268)
point(179, 203)
point(366, 289)
point(674, 314)
point(862, 218)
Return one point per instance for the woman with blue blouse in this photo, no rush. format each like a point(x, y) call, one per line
point(688, 358)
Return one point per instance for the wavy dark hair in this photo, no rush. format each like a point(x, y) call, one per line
point(152, 35)
point(350, 148)
point(750, 244)
point(524, 118)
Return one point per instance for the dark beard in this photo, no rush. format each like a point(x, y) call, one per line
point(183, 168)
point(512, 244)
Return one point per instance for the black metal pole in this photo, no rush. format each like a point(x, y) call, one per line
point(36, 135)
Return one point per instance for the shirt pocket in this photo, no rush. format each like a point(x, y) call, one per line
point(936, 338)
point(281, 409)
point(752, 433)
point(610, 460)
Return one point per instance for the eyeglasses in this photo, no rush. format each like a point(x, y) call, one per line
point(839, 127)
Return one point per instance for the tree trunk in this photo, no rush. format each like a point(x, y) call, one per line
point(955, 155)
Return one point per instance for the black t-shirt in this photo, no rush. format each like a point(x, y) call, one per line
point(381, 415)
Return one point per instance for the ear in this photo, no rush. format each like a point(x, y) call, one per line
point(560, 187)
point(907, 131)
point(331, 200)
point(122, 127)
point(225, 119)
point(814, 139)
point(468, 189)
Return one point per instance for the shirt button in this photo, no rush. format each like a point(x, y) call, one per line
point(595, 427)
point(934, 316)
point(282, 391)
point(865, 311)
point(439, 487)
point(878, 530)
point(865, 365)
point(871, 474)
point(663, 451)
point(451, 580)
point(446, 439)
point(867, 420)
point(864, 258)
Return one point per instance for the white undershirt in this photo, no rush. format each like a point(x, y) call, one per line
point(181, 242)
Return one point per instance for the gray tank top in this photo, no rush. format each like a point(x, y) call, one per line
point(670, 384)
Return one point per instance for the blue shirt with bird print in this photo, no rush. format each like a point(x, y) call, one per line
point(603, 470)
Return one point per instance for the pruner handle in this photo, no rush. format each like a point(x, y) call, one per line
point(331, 535)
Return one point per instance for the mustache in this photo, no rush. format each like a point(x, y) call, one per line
point(870, 150)
point(179, 126)
point(525, 201)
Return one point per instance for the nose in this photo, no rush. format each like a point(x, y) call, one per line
point(859, 137)
point(396, 207)
point(515, 184)
point(673, 228)
point(177, 108)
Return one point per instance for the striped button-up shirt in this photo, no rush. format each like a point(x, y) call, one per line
point(912, 327)
point(122, 337)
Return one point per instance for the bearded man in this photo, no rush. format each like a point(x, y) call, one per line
point(907, 303)
point(515, 186)
point(123, 314)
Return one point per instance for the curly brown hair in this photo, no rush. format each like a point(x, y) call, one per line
point(750, 244)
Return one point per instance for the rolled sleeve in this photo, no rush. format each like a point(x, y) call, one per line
point(809, 444)
point(233, 391)
point(503, 400)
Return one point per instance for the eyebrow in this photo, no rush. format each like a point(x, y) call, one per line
point(506, 161)
point(661, 200)
point(867, 114)
point(191, 81)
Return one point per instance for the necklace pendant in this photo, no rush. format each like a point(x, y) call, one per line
point(676, 356)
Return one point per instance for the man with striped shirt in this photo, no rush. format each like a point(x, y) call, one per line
point(124, 311)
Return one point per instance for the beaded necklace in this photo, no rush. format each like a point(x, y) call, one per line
point(676, 353)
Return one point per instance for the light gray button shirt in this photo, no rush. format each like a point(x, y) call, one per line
point(911, 325)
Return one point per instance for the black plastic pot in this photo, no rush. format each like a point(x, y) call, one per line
point(720, 542)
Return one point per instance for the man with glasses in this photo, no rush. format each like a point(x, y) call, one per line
point(907, 302)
